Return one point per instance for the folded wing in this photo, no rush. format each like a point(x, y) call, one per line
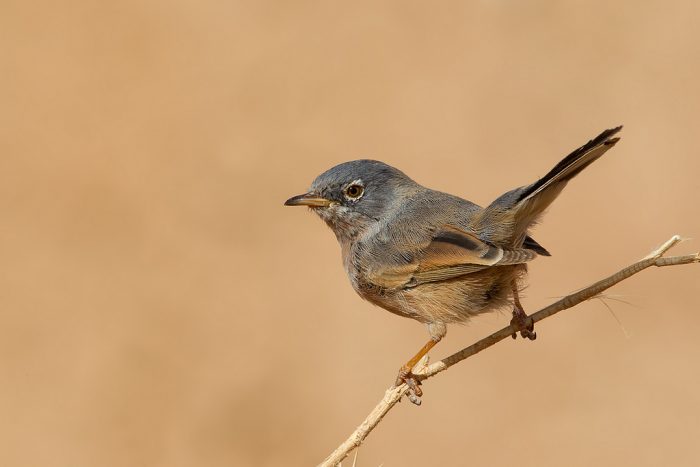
point(450, 253)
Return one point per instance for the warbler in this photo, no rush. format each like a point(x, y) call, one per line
point(432, 256)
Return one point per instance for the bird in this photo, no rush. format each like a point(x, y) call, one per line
point(432, 256)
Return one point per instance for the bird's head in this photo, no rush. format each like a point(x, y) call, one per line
point(353, 195)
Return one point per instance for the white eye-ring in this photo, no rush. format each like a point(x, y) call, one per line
point(354, 190)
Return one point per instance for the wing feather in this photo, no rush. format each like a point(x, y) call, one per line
point(450, 253)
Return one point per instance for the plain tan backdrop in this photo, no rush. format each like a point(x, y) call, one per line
point(160, 307)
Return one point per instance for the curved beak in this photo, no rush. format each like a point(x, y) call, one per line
point(308, 199)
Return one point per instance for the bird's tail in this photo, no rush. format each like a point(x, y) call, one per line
point(523, 206)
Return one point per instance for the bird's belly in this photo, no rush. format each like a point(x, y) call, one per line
point(452, 301)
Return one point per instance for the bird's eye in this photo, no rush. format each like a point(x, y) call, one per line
point(354, 191)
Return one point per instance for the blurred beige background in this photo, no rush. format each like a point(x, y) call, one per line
point(160, 307)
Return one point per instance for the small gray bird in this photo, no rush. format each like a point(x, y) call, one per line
point(432, 256)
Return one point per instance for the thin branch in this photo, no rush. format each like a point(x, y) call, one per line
point(393, 395)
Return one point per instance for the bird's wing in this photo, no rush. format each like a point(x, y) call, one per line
point(450, 253)
point(454, 252)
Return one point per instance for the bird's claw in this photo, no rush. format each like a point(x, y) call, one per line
point(414, 390)
point(524, 322)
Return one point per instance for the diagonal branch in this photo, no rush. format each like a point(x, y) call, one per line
point(393, 395)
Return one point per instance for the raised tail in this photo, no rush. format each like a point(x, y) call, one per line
point(572, 164)
point(522, 207)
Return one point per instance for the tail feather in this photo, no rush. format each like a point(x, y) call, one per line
point(534, 199)
point(531, 244)
point(519, 209)
point(574, 163)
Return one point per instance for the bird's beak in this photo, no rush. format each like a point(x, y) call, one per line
point(308, 199)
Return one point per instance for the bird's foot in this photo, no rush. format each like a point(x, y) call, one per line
point(413, 383)
point(522, 320)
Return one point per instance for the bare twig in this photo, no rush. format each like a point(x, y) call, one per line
point(393, 395)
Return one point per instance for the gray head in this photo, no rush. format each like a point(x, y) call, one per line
point(353, 195)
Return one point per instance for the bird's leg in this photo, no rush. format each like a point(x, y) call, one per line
point(520, 318)
point(437, 331)
point(405, 375)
